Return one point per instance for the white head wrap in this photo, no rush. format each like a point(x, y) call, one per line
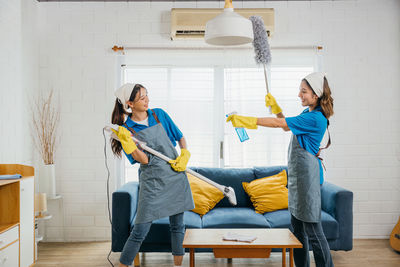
point(316, 81)
point(124, 93)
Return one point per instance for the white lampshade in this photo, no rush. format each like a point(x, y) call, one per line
point(229, 28)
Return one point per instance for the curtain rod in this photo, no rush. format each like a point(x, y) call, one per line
point(122, 48)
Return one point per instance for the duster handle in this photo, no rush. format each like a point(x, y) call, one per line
point(266, 85)
point(266, 79)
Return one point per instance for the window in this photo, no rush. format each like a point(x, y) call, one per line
point(198, 97)
point(245, 93)
point(177, 91)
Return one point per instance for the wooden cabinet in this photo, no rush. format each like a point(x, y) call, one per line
point(17, 217)
point(9, 255)
point(9, 243)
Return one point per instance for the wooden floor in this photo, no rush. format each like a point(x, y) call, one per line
point(365, 253)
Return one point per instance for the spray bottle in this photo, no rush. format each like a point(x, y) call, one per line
point(241, 132)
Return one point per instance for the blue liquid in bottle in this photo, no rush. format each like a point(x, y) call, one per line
point(241, 132)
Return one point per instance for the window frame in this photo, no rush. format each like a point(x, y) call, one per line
point(219, 67)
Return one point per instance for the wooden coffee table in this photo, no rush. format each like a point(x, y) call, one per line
point(267, 239)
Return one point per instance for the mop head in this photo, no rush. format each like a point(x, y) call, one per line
point(260, 41)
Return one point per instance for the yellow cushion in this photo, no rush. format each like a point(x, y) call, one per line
point(268, 193)
point(205, 196)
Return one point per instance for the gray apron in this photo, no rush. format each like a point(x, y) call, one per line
point(162, 191)
point(303, 183)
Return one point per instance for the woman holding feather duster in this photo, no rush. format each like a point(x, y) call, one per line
point(305, 174)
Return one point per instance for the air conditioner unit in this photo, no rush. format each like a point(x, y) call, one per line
point(191, 22)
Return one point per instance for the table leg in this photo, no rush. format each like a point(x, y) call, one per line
point(192, 257)
point(291, 263)
point(283, 257)
point(137, 260)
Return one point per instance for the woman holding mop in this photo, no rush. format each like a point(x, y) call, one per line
point(305, 174)
point(164, 189)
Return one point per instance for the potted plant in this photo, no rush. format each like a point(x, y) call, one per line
point(45, 121)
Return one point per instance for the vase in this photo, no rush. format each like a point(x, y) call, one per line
point(47, 180)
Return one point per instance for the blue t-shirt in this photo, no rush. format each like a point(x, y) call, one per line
point(309, 128)
point(172, 130)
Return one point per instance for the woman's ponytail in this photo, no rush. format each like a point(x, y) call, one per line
point(326, 100)
point(117, 117)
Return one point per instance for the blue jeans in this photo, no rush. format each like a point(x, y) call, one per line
point(312, 232)
point(139, 233)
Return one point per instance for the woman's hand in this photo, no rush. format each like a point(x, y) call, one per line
point(179, 164)
point(242, 121)
point(124, 136)
point(270, 101)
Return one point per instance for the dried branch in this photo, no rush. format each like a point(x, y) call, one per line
point(45, 121)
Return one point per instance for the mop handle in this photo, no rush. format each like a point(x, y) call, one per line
point(162, 156)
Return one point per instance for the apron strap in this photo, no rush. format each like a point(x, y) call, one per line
point(133, 131)
point(155, 116)
point(327, 145)
point(130, 129)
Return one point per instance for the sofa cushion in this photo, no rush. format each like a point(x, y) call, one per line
point(330, 226)
point(234, 218)
point(269, 193)
point(281, 219)
point(192, 220)
point(260, 172)
point(278, 219)
point(230, 177)
point(205, 196)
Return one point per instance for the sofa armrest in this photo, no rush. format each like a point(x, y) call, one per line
point(338, 202)
point(124, 206)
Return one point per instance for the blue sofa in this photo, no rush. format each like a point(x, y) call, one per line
point(337, 211)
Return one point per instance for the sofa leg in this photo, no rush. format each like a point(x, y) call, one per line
point(137, 260)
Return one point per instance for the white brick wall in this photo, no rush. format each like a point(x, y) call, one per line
point(18, 78)
point(361, 56)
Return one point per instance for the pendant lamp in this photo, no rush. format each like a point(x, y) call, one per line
point(228, 28)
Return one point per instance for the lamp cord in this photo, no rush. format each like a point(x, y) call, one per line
point(108, 189)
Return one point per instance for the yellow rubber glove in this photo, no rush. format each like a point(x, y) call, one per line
point(242, 121)
point(270, 101)
point(179, 164)
point(124, 136)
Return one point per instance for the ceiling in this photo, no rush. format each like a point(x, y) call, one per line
point(174, 0)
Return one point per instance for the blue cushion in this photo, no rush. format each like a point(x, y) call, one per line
point(330, 226)
point(261, 172)
point(233, 178)
point(192, 220)
point(278, 219)
point(281, 219)
point(234, 218)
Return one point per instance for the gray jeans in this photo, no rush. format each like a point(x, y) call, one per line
point(311, 232)
point(139, 233)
